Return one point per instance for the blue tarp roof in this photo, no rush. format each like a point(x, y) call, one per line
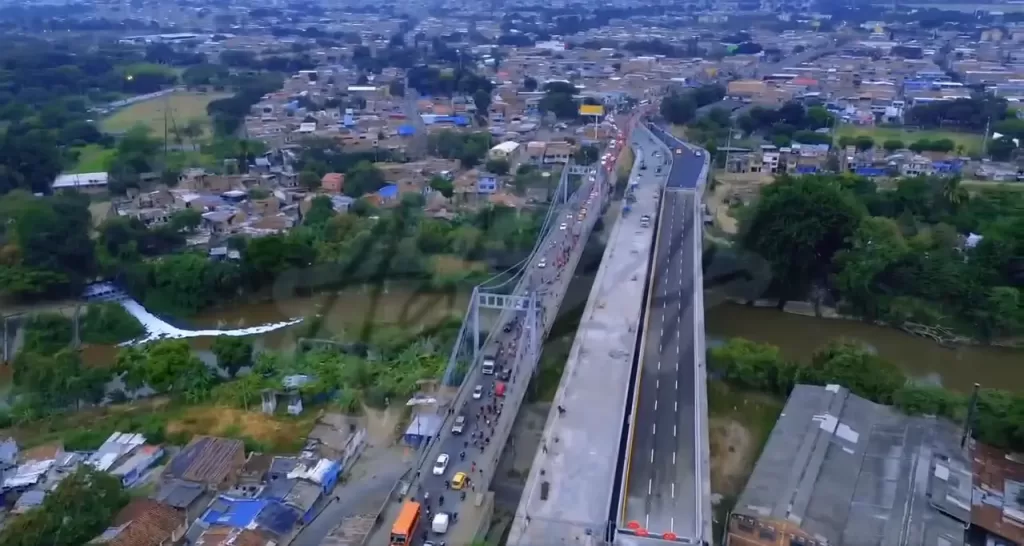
point(233, 512)
point(388, 192)
point(406, 130)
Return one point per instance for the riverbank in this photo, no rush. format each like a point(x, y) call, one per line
point(941, 335)
point(798, 335)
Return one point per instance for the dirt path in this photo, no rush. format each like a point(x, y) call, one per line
point(733, 447)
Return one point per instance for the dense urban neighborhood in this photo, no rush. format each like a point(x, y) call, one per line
point(739, 273)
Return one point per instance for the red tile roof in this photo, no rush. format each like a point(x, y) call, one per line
point(144, 522)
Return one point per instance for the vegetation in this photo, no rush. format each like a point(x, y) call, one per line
point(896, 255)
point(761, 367)
point(107, 324)
point(76, 511)
point(681, 108)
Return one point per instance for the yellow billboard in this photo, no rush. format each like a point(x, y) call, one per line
point(591, 110)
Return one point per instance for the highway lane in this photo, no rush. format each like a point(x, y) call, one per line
point(555, 246)
point(663, 492)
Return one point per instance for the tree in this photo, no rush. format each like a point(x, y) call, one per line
point(864, 143)
point(363, 178)
point(678, 109)
point(186, 220)
point(443, 185)
point(165, 366)
point(309, 180)
point(798, 226)
point(81, 506)
point(233, 353)
point(587, 155)
point(499, 167)
point(893, 144)
point(482, 101)
point(874, 247)
point(855, 367)
point(321, 209)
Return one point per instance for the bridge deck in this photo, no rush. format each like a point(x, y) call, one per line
point(580, 448)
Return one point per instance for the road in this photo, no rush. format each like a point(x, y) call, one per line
point(549, 281)
point(663, 489)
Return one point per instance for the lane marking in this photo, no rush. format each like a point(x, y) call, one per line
point(654, 429)
point(655, 405)
point(650, 487)
point(652, 455)
point(673, 490)
point(673, 457)
point(677, 349)
point(672, 525)
point(673, 431)
point(657, 383)
point(675, 406)
point(677, 384)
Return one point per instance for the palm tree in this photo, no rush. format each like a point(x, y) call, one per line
point(953, 193)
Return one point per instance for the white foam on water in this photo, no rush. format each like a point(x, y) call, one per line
point(157, 328)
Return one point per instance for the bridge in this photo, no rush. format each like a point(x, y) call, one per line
point(507, 319)
point(626, 462)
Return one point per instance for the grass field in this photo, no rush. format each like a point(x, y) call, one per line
point(184, 107)
point(971, 142)
point(93, 158)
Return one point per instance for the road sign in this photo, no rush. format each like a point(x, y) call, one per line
point(591, 110)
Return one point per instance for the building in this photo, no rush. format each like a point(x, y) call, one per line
point(207, 460)
point(81, 181)
point(486, 183)
point(333, 182)
point(839, 470)
point(144, 522)
point(508, 151)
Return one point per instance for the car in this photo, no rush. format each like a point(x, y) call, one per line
point(504, 374)
point(478, 392)
point(441, 464)
point(656, 154)
point(679, 151)
point(459, 480)
point(563, 226)
point(568, 216)
point(581, 217)
point(459, 426)
point(542, 263)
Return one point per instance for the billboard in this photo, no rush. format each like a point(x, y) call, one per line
point(591, 110)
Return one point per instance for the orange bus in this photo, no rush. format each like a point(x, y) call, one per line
point(405, 524)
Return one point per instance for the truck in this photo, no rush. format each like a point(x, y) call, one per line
point(488, 365)
point(440, 523)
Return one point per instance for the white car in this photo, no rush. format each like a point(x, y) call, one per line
point(542, 263)
point(563, 226)
point(441, 464)
point(478, 392)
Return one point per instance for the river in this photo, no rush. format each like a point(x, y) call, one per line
point(349, 312)
point(798, 336)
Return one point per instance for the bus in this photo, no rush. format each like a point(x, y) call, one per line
point(405, 525)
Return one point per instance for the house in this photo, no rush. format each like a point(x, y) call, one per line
point(144, 522)
point(8, 452)
point(254, 473)
point(187, 497)
point(508, 151)
point(81, 182)
point(270, 517)
point(557, 153)
point(208, 460)
point(229, 536)
point(134, 467)
point(840, 469)
point(223, 220)
point(332, 182)
point(486, 183)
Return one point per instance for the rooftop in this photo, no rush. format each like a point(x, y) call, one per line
point(206, 459)
point(842, 470)
point(143, 522)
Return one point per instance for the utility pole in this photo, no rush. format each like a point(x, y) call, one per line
point(971, 408)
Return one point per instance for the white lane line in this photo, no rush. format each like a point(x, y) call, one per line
point(673, 431)
point(677, 384)
point(677, 349)
point(654, 429)
point(650, 487)
point(673, 457)
point(655, 405)
point(675, 406)
point(652, 455)
point(673, 490)
point(657, 383)
point(672, 525)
